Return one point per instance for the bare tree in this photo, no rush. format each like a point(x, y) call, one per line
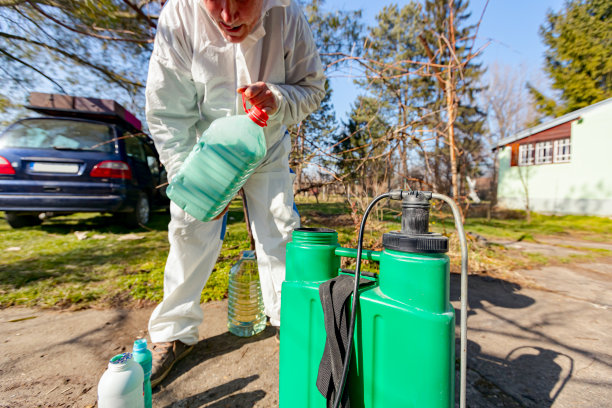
point(454, 68)
point(510, 109)
point(524, 176)
point(418, 70)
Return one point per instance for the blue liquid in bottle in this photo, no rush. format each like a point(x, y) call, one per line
point(142, 355)
point(222, 160)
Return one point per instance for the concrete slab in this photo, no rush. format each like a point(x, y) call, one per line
point(55, 359)
point(540, 348)
point(527, 348)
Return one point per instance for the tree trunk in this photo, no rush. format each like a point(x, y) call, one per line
point(450, 110)
point(450, 85)
point(524, 176)
point(494, 177)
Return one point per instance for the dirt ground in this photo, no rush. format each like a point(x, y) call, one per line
point(548, 345)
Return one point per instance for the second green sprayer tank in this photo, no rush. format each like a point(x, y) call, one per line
point(404, 352)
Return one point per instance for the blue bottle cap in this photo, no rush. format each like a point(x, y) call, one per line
point(140, 344)
point(121, 358)
point(248, 255)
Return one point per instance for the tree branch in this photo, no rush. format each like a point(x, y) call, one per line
point(102, 37)
point(11, 3)
point(104, 71)
point(430, 54)
point(2, 51)
point(138, 11)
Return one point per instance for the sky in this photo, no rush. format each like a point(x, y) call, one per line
point(509, 26)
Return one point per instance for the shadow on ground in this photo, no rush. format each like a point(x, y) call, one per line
point(224, 395)
point(536, 376)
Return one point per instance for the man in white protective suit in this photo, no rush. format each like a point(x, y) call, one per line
point(205, 51)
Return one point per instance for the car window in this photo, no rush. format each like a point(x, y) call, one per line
point(152, 160)
point(59, 134)
point(133, 147)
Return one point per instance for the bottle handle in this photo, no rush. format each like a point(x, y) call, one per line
point(244, 103)
point(257, 115)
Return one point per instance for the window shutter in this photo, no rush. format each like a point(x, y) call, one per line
point(514, 154)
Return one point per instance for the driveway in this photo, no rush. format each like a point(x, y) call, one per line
point(548, 345)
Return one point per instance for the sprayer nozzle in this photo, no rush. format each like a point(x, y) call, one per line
point(396, 194)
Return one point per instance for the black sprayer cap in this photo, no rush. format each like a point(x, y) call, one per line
point(415, 236)
point(415, 213)
point(430, 243)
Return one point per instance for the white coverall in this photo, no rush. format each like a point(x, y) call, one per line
point(192, 80)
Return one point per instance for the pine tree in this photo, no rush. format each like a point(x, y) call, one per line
point(351, 150)
point(362, 150)
point(579, 42)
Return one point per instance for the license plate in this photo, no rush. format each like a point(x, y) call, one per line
point(65, 168)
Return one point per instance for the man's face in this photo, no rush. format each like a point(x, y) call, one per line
point(235, 18)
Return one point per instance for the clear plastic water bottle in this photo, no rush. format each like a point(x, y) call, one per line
point(121, 384)
point(245, 309)
point(220, 163)
point(142, 355)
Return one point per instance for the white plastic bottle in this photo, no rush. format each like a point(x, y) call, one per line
point(121, 385)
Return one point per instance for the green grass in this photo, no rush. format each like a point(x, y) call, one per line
point(517, 229)
point(536, 258)
point(48, 266)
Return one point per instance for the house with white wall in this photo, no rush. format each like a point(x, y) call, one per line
point(563, 166)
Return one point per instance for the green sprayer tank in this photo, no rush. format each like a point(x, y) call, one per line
point(405, 327)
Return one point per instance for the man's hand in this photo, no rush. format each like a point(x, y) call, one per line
point(258, 94)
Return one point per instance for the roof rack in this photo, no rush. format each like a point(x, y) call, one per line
point(106, 110)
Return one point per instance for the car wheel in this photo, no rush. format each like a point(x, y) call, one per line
point(20, 221)
point(142, 212)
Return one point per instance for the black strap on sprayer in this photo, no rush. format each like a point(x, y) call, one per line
point(396, 195)
point(334, 295)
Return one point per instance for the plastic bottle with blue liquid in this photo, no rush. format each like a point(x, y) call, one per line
point(222, 160)
point(143, 356)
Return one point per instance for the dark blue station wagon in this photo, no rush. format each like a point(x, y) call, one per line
point(57, 165)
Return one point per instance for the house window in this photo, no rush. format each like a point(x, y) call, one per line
point(526, 154)
point(562, 150)
point(544, 152)
point(551, 151)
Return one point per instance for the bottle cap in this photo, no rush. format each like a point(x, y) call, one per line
point(257, 115)
point(120, 358)
point(140, 344)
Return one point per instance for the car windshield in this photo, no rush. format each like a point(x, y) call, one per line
point(58, 134)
